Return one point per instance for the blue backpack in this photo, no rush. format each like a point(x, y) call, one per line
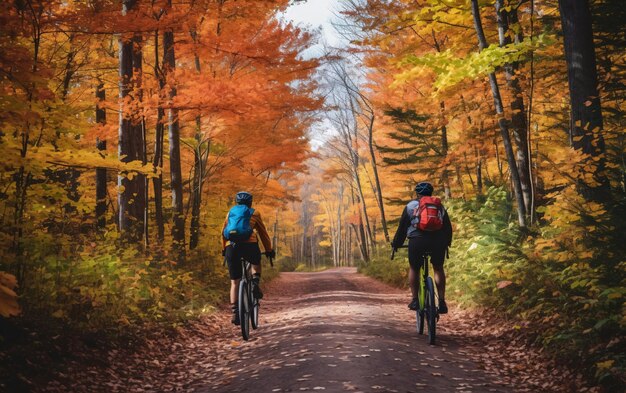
point(238, 227)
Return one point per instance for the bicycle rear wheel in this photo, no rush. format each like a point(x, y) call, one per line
point(244, 308)
point(419, 313)
point(430, 310)
point(254, 316)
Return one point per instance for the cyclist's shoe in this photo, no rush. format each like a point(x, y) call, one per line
point(413, 305)
point(256, 290)
point(235, 319)
point(443, 307)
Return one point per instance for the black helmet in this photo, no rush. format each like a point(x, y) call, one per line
point(424, 188)
point(243, 198)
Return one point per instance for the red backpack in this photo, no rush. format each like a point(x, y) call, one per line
point(428, 216)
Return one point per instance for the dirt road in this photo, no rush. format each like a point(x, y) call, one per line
point(332, 331)
point(340, 331)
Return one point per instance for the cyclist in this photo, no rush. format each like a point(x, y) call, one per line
point(422, 241)
point(247, 249)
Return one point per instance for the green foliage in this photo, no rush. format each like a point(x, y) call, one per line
point(290, 264)
point(450, 70)
point(286, 264)
point(393, 272)
point(486, 248)
point(414, 142)
point(564, 283)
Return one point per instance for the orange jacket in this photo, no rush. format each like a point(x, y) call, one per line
point(257, 228)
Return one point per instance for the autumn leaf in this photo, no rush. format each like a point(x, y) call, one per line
point(503, 284)
point(8, 298)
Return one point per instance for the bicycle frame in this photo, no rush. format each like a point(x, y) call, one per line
point(423, 274)
point(246, 268)
point(427, 298)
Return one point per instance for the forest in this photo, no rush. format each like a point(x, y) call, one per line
point(127, 127)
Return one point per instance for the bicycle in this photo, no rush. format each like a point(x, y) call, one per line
point(247, 303)
point(427, 300)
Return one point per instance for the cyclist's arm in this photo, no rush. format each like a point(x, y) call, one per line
point(262, 232)
point(400, 236)
point(447, 227)
point(222, 232)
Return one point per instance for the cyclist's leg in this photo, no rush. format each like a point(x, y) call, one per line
point(437, 258)
point(234, 284)
point(416, 250)
point(256, 270)
point(413, 281)
point(235, 273)
point(253, 255)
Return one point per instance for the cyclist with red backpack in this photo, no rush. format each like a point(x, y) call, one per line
point(426, 223)
point(240, 239)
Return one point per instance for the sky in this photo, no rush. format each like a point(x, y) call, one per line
point(316, 15)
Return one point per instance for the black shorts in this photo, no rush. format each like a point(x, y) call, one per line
point(248, 251)
point(434, 245)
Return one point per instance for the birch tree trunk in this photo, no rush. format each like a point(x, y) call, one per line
point(504, 130)
point(518, 113)
point(379, 190)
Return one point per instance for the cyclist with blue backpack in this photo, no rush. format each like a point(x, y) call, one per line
point(240, 239)
point(426, 224)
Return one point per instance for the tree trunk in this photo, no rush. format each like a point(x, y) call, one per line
point(369, 238)
point(275, 237)
point(140, 205)
point(504, 131)
point(340, 240)
point(198, 172)
point(157, 159)
point(196, 190)
point(379, 190)
point(447, 192)
point(101, 173)
point(127, 188)
point(586, 112)
point(360, 229)
point(479, 173)
point(313, 256)
point(178, 217)
point(518, 113)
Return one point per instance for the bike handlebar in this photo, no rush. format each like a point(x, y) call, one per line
point(394, 249)
point(267, 254)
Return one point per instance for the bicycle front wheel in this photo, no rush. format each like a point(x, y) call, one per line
point(430, 310)
point(244, 308)
point(419, 318)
